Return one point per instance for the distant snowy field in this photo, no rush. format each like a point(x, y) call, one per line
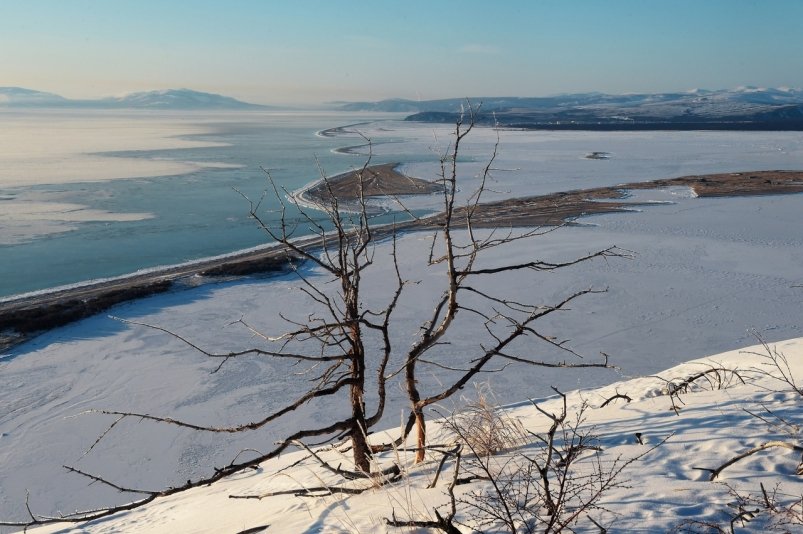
point(539, 162)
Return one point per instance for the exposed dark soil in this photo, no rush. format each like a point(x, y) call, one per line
point(22, 318)
point(559, 208)
point(733, 184)
point(377, 181)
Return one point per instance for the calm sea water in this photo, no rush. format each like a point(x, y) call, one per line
point(194, 215)
point(199, 214)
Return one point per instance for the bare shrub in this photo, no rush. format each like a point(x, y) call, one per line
point(775, 365)
point(711, 378)
point(759, 511)
point(553, 483)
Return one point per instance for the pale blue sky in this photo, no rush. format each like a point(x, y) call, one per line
point(300, 51)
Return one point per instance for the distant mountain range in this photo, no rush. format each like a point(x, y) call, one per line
point(179, 99)
point(744, 108)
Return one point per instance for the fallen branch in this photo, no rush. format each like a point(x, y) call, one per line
point(392, 471)
point(317, 491)
point(219, 473)
point(717, 378)
point(445, 524)
point(614, 397)
point(769, 445)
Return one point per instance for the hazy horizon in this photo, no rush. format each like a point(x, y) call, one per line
point(318, 52)
point(312, 106)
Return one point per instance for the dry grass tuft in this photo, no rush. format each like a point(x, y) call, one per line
point(483, 428)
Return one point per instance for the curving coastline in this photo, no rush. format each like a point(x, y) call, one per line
point(339, 130)
point(378, 181)
point(560, 208)
point(25, 316)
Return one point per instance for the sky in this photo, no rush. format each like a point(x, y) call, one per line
point(306, 51)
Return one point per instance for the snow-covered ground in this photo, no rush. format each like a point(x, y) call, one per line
point(540, 162)
point(665, 486)
point(704, 272)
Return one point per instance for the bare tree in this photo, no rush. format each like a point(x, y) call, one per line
point(505, 321)
point(345, 321)
point(344, 340)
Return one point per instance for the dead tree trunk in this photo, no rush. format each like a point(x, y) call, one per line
point(505, 321)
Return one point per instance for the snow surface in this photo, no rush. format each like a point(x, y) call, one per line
point(705, 271)
point(658, 491)
point(540, 162)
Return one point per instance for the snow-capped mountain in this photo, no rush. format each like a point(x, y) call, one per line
point(18, 96)
point(740, 95)
point(741, 108)
point(164, 99)
point(178, 99)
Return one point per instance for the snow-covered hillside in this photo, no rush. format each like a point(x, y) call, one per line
point(727, 101)
point(655, 449)
point(696, 109)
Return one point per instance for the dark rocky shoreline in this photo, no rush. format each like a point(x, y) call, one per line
point(562, 207)
point(24, 317)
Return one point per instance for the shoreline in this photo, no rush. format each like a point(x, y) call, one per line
point(563, 207)
point(22, 317)
point(339, 130)
point(378, 181)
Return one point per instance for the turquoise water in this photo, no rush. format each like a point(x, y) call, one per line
point(194, 215)
point(199, 214)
